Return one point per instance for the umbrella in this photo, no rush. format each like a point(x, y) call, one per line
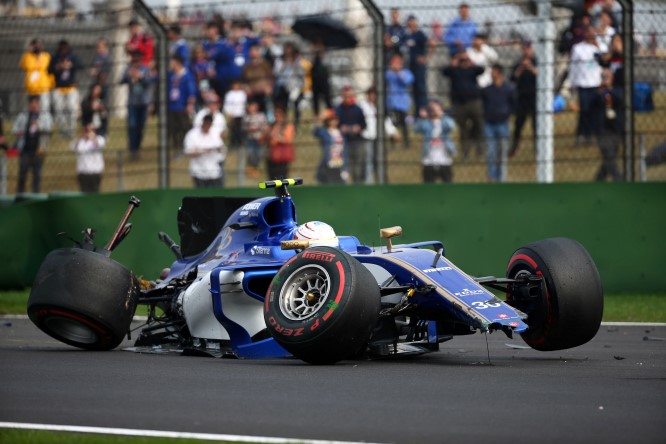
point(333, 32)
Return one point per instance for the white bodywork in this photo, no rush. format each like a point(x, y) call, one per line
point(197, 306)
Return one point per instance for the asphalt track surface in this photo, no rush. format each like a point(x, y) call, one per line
point(611, 390)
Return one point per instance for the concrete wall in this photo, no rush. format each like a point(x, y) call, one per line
point(622, 225)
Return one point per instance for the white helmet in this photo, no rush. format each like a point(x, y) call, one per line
point(318, 233)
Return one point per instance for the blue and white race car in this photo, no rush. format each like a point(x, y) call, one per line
point(249, 282)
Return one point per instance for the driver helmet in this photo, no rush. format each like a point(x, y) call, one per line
point(318, 234)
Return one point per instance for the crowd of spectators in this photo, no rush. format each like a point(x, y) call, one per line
point(237, 87)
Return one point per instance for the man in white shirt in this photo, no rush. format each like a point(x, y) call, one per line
point(212, 108)
point(585, 75)
point(89, 159)
point(484, 56)
point(207, 153)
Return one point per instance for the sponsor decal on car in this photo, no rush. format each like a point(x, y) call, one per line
point(432, 270)
point(245, 209)
point(319, 256)
point(503, 316)
point(256, 250)
point(468, 292)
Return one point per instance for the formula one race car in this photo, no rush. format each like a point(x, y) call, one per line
point(248, 282)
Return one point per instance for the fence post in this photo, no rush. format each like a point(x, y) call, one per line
point(120, 173)
point(545, 85)
point(642, 170)
point(628, 57)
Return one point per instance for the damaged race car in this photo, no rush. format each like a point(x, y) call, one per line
point(249, 282)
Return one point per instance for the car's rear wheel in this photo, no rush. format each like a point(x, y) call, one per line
point(570, 311)
point(322, 306)
point(83, 299)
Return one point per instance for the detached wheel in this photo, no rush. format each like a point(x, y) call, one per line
point(570, 312)
point(83, 299)
point(322, 306)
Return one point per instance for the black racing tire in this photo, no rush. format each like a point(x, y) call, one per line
point(570, 312)
point(322, 306)
point(83, 298)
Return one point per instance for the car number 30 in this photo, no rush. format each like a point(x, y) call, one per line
point(483, 305)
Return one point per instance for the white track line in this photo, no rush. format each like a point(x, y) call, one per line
point(603, 324)
point(164, 434)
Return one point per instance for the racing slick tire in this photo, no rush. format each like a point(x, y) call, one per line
point(322, 306)
point(83, 298)
point(569, 313)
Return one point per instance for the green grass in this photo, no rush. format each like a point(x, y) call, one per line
point(617, 307)
point(15, 436)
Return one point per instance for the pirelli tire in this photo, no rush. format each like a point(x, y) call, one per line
point(322, 306)
point(83, 298)
point(570, 312)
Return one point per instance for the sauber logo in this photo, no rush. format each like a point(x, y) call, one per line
point(319, 256)
point(432, 270)
point(468, 292)
point(260, 250)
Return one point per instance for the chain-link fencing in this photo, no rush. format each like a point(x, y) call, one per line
point(563, 144)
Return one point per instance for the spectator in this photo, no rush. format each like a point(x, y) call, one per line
point(38, 82)
point(255, 127)
point(203, 72)
point(89, 158)
point(289, 80)
point(460, 32)
point(398, 102)
point(369, 134)
point(484, 56)
point(466, 100)
point(234, 108)
point(178, 45)
point(419, 47)
point(182, 96)
point(236, 54)
point(270, 50)
point(217, 54)
point(140, 42)
point(212, 108)
point(438, 148)
point(94, 111)
point(614, 60)
point(32, 129)
point(612, 8)
point(585, 76)
point(321, 88)
point(612, 128)
point(525, 78)
point(351, 124)
point(140, 96)
point(605, 31)
point(207, 154)
point(280, 145)
point(499, 101)
point(100, 68)
point(332, 167)
point(258, 76)
point(64, 66)
point(394, 38)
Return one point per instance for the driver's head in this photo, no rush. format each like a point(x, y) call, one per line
point(318, 234)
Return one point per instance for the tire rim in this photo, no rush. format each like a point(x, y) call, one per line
point(71, 330)
point(305, 292)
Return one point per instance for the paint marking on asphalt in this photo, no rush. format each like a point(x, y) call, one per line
point(603, 324)
point(164, 434)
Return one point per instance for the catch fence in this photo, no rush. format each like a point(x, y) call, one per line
point(508, 25)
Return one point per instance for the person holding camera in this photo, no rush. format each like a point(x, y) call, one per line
point(89, 158)
point(438, 148)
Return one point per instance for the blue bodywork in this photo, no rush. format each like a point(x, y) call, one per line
point(250, 242)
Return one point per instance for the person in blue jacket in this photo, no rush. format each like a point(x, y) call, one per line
point(438, 148)
point(460, 32)
point(180, 106)
point(398, 99)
